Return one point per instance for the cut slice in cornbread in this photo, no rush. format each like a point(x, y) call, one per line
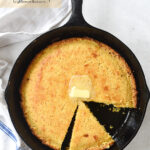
point(88, 134)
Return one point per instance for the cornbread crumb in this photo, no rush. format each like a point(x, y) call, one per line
point(111, 127)
point(115, 109)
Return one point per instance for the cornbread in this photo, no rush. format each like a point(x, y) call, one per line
point(46, 103)
point(87, 133)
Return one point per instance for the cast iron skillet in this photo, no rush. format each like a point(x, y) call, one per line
point(125, 123)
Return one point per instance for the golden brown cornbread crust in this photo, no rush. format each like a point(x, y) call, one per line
point(131, 103)
point(134, 91)
point(44, 89)
point(128, 72)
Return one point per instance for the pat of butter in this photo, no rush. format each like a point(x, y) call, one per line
point(80, 86)
point(79, 93)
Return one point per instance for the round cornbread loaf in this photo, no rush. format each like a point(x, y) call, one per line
point(46, 104)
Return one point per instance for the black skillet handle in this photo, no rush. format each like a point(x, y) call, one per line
point(77, 18)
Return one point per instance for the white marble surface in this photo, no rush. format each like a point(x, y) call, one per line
point(129, 21)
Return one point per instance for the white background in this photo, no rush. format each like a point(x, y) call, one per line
point(128, 20)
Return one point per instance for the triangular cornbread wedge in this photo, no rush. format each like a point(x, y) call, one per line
point(88, 134)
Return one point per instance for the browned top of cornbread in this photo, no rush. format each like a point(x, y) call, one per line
point(44, 89)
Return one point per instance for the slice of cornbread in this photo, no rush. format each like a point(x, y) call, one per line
point(88, 134)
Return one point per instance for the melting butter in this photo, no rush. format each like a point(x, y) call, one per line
point(78, 93)
point(80, 86)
